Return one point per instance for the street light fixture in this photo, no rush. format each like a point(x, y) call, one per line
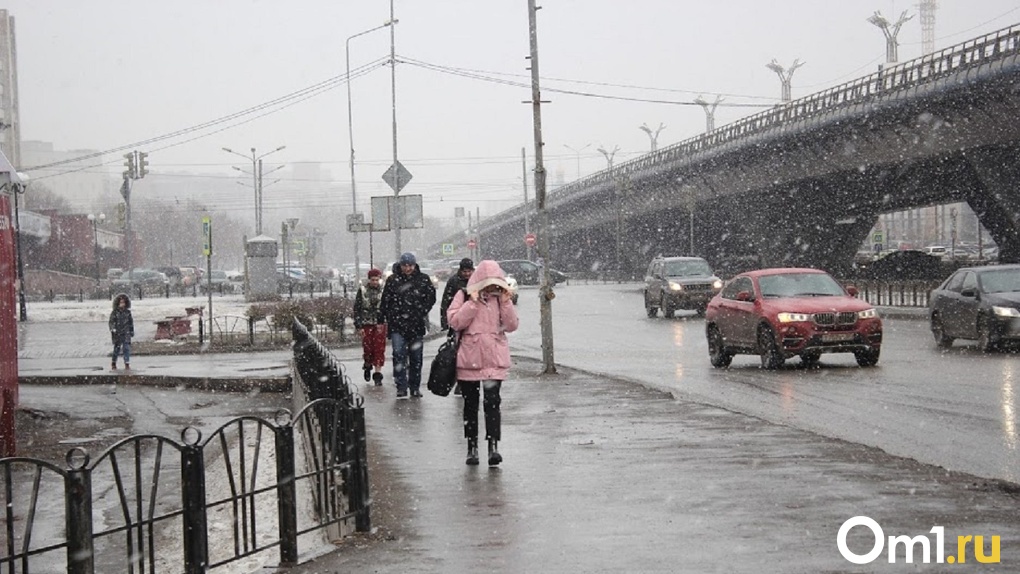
point(654, 137)
point(891, 45)
point(785, 76)
point(96, 220)
point(350, 136)
point(255, 165)
point(577, 152)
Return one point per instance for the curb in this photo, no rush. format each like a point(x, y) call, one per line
point(222, 384)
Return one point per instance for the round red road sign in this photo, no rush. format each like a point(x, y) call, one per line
point(529, 239)
point(472, 244)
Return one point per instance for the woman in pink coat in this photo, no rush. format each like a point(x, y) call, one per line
point(483, 317)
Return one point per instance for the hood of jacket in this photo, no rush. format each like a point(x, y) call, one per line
point(487, 273)
point(118, 298)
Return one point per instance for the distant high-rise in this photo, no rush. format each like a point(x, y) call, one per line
point(10, 121)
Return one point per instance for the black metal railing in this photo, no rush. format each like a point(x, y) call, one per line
point(153, 504)
point(902, 293)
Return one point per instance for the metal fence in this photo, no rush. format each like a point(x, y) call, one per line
point(906, 293)
point(152, 504)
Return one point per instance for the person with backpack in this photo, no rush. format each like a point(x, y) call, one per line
point(407, 298)
point(483, 313)
point(369, 321)
point(122, 329)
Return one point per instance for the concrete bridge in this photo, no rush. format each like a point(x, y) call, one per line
point(804, 183)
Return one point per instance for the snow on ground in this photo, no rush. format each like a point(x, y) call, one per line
point(148, 309)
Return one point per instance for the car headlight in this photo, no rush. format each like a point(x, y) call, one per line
point(675, 286)
point(1006, 311)
point(793, 317)
point(717, 284)
point(867, 314)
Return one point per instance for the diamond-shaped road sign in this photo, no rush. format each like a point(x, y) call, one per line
point(397, 176)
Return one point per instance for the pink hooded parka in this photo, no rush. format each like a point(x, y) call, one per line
point(484, 351)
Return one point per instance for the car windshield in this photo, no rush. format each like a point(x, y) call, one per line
point(687, 268)
point(799, 285)
point(1001, 281)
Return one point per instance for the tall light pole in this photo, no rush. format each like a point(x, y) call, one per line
point(891, 31)
point(654, 137)
point(785, 76)
point(709, 112)
point(619, 211)
point(577, 152)
point(255, 180)
point(397, 211)
point(350, 137)
point(96, 219)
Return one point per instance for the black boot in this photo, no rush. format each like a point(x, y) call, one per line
point(377, 377)
point(494, 457)
point(368, 371)
point(472, 456)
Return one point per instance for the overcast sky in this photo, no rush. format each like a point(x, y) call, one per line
point(109, 73)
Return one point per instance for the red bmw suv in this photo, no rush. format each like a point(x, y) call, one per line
point(782, 313)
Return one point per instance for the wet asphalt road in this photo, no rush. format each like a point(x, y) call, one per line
point(957, 409)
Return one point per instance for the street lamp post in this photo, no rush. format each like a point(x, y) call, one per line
point(785, 77)
point(96, 220)
point(619, 211)
point(255, 180)
point(654, 137)
point(350, 137)
point(577, 152)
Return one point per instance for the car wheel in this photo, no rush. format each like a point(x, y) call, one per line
point(810, 359)
point(867, 358)
point(771, 358)
point(938, 330)
point(985, 343)
point(667, 309)
point(650, 309)
point(718, 355)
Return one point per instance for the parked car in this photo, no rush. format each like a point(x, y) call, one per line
point(148, 279)
point(980, 303)
point(217, 282)
point(173, 274)
point(782, 313)
point(904, 264)
point(530, 273)
point(673, 283)
point(114, 273)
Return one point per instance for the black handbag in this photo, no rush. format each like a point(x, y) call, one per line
point(443, 373)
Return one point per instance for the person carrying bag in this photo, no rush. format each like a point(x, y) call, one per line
point(484, 314)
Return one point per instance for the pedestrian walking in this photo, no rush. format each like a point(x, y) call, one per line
point(483, 314)
point(455, 283)
point(122, 329)
point(407, 298)
point(369, 321)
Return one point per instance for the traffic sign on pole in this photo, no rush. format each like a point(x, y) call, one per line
point(472, 244)
point(529, 240)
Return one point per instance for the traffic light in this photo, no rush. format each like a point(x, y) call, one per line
point(143, 164)
point(129, 163)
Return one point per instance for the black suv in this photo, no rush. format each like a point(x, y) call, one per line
point(673, 283)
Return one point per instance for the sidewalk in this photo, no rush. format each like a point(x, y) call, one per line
point(601, 475)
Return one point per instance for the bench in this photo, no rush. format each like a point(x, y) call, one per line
point(176, 326)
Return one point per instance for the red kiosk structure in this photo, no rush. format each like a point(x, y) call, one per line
point(10, 183)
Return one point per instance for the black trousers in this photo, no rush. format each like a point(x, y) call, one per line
point(490, 390)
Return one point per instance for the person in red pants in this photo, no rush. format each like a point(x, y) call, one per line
point(369, 322)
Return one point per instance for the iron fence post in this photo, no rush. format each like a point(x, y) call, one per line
point(78, 517)
point(363, 519)
point(286, 494)
point(196, 541)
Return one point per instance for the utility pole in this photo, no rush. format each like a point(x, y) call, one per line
point(527, 208)
point(137, 164)
point(546, 293)
point(709, 112)
point(655, 137)
point(619, 211)
point(397, 211)
point(785, 76)
point(927, 9)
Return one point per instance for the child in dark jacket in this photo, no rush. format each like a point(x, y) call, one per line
point(122, 329)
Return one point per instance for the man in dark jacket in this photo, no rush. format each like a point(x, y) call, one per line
point(406, 301)
point(455, 283)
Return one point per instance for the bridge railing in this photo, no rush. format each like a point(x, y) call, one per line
point(970, 54)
